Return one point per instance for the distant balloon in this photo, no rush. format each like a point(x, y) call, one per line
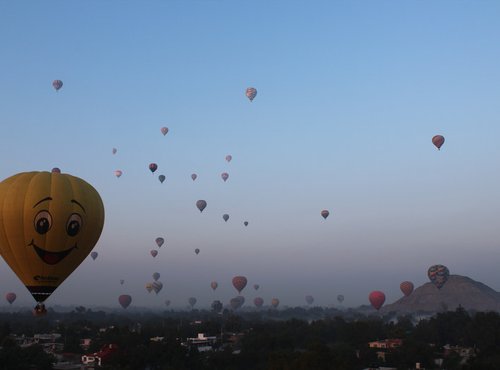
point(201, 205)
point(157, 286)
point(154, 253)
point(275, 302)
point(114, 150)
point(438, 275)
point(309, 299)
point(438, 141)
point(214, 285)
point(229, 157)
point(10, 297)
point(258, 302)
point(256, 286)
point(225, 217)
point(325, 213)
point(340, 298)
point(245, 223)
point(156, 276)
point(161, 178)
point(237, 302)
point(164, 130)
point(149, 287)
point(94, 255)
point(118, 173)
point(153, 167)
point(57, 84)
point(56, 170)
point(167, 302)
point(159, 241)
point(125, 300)
point(122, 282)
point(192, 301)
point(239, 283)
point(251, 93)
point(377, 299)
point(406, 287)
point(224, 176)
point(194, 176)
point(197, 251)
point(216, 306)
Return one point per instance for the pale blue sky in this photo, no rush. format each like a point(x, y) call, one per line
point(350, 94)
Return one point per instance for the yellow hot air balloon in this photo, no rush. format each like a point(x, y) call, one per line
point(49, 223)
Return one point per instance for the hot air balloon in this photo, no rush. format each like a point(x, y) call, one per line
point(258, 302)
point(157, 286)
point(153, 167)
point(229, 157)
point(167, 303)
point(164, 130)
point(256, 286)
point(197, 250)
point(325, 213)
point(154, 252)
point(192, 301)
point(161, 178)
point(406, 287)
point(309, 299)
point(49, 223)
point(214, 285)
point(159, 241)
point(275, 302)
point(114, 150)
point(438, 275)
point(245, 223)
point(239, 283)
point(149, 287)
point(194, 176)
point(201, 205)
point(56, 170)
point(10, 297)
point(225, 217)
point(224, 176)
point(340, 298)
point(57, 84)
point(118, 173)
point(377, 299)
point(216, 306)
point(94, 255)
point(156, 276)
point(122, 282)
point(237, 302)
point(251, 93)
point(438, 141)
point(125, 300)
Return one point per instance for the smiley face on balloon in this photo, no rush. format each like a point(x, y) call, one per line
point(49, 223)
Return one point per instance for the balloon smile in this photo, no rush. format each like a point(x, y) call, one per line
point(51, 258)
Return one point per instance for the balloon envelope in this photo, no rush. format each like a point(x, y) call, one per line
point(438, 275)
point(216, 306)
point(10, 297)
point(239, 283)
point(125, 300)
point(406, 287)
point(159, 241)
point(122, 282)
point(214, 285)
point(256, 286)
point(118, 173)
point(275, 302)
point(197, 250)
point(225, 217)
point(156, 276)
point(161, 178)
point(377, 299)
point(245, 223)
point(340, 298)
point(164, 130)
point(237, 302)
point(309, 299)
point(153, 167)
point(157, 286)
point(154, 253)
point(201, 205)
point(258, 302)
point(192, 301)
point(438, 141)
point(224, 176)
point(167, 303)
point(194, 176)
point(251, 93)
point(229, 157)
point(325, 213)
point(114, 150)
point(149, 287)
point(57, 84)
point(94, 255)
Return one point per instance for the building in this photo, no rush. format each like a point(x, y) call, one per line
point(386, 343)
point(99, 358)
point(202, 343)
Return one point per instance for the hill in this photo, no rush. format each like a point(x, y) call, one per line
point(458, 290)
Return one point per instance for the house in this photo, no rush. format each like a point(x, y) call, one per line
point(85, 343)
point(98, 358)
point(386, 343)
point(202, 343)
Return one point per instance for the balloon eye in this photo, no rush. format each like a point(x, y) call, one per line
point(43, 222)
point(73, 225)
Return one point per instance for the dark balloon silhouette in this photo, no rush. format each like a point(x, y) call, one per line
point(125, 300)
point(201, 205)
point(438, 141)
point(57, 84)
